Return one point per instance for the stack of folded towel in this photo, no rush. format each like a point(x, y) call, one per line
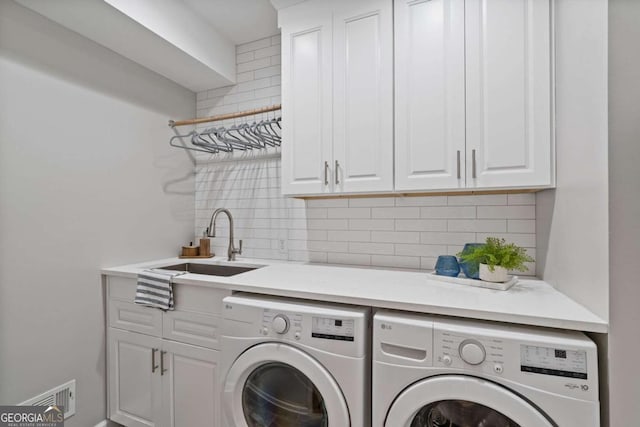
point(155, 288)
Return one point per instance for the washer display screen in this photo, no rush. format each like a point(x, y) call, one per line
point(332, 329)
point(553, 361)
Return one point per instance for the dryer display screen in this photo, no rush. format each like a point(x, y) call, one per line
point(332, 329)
point(553, 361)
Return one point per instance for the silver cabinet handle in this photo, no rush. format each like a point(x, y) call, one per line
point(153, 360)
point(162, 370)
point(473, 164)
point(337, 167)
point(326, 173)
point(458, 163)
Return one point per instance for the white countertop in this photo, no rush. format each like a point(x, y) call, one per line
point(530, 302)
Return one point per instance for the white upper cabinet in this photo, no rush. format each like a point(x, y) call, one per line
point(429, 98)
point(306, 98)
point(508, 100)
point(363, 96)
point(472, 106)
point(337, 97)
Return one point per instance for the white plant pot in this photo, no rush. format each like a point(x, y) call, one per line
point(498, 275)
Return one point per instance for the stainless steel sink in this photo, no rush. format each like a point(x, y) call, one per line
point(209, 269)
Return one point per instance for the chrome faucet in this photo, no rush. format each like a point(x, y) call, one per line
point(211, 232)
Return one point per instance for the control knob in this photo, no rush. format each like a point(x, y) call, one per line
point(280, 324)
point(472, 352)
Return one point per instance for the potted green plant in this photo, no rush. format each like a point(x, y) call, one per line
point(495, 258)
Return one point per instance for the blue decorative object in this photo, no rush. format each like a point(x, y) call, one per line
point(471, 269)
point(447, 265)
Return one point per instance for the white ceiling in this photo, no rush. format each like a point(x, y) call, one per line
point(241, 21)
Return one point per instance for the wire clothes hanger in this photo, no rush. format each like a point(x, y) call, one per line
point(258, 135)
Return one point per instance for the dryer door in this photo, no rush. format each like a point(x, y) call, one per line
point(275, 384)
point(460, 401)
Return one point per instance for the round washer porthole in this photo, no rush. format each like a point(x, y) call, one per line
point(277, 394)
point(253, 380)
point(458, 400)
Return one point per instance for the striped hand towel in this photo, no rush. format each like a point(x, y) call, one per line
point(155, 288)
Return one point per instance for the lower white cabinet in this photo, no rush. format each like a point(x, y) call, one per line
point(156, 382)
point(162, 367)
point(135, 384)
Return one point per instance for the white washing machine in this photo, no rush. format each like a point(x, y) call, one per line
point(442, 372)
point(290, 363)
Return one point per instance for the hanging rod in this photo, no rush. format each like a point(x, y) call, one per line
point(225, 116)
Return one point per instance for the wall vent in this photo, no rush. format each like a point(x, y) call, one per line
point(62, 395)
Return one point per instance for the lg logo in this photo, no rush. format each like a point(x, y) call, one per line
point(385, 326)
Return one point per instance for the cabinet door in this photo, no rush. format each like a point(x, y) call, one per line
point(430, 104)
point(508, 74)
point(306, 98)
point(190, 386)
point(363, 96)
point(134, 382)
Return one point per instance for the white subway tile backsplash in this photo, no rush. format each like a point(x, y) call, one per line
point(255, 45)
point(438, 238)
point(395, 236)
point(422, 201)
point(273, 50)
point(349, 213)
point(394, 232)
point(478, 225)
point(508, 212)
point(371, 224)
point(326, 246)
point(522, 199)
point(421, 250)
point(403, 212)
point(273, 70)
point(422, 225)
point(448, 212)
point(478, 200)
point(327, 224)
point(521, 226)
point(428, 263)
point(348, 258)
point(327, 203)
point(245, 57)
point(526, 240)
point(371, 248)
point(371, 202)
point(244, 77)
point(256, 64)
point(395, 261)
point(350, 236)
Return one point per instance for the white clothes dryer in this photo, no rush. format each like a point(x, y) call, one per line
point(290, 363)
point(431, 371)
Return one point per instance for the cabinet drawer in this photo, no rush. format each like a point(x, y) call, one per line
point(192, 328)
point(122, 288)
point(199, 299)
point(136, 318)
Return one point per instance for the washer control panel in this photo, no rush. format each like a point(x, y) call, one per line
point(459, 350)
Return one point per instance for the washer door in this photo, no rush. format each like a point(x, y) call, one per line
point(460, 401)
point(274, 384)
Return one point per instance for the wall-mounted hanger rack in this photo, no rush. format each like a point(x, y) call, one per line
point(246, 136)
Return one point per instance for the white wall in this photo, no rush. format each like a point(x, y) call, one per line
point(572, 220)
point(87, 180)
point(398, 232)
point(624, 210)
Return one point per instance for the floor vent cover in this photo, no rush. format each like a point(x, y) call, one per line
point(62, 395)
